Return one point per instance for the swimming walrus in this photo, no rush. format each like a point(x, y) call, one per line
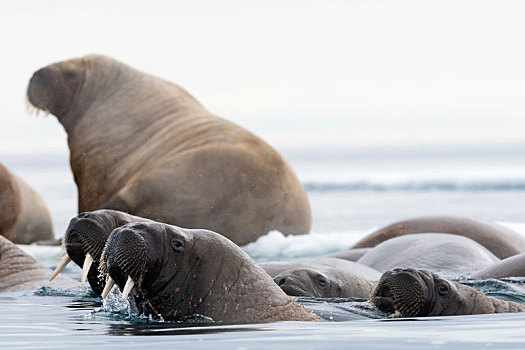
point(145, 146)
point(84, 241)
point(24, 217)
point(443, 253)
point(323, 277)
point(501, 241)
point(19, 271)
point(178, 273)
point(416, 293)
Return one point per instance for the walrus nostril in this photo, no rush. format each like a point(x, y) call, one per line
point(280, 281)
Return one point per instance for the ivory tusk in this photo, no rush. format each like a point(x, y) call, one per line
point(127, 288)
point(85, 269)
point(109, 284)
point(65, 260)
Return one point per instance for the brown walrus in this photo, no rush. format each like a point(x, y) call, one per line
point(178, 273)
point(501, 241)
point(24, 217)
point(19, 271)
point(145, 146)
point(416, 293)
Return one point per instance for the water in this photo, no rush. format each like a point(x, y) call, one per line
point(352, 192)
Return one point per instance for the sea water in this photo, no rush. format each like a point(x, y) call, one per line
point(352, 192)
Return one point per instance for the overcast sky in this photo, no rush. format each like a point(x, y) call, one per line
point(298, 73)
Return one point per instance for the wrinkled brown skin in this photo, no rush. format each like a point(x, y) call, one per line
point(500, 240)
point(35, 221)
point(510, 267)
point(213, 276)
point(447, 254)
point(10, 203)
point(143, 145)
point(19, 271)
point(435, 296)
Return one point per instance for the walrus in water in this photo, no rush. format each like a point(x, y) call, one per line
point(323, 277)
point(446, 254)
point(510, 267)
point(501, 241)
point(416, 293)
point(145, 146)
point(19, 271)
point(178, 273)
point(24, 217)
point(84, 241)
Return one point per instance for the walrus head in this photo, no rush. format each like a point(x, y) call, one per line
point(308, 283)
point(179, 273)
point(84, 242)
point(415, 293)
point(53, 88)
point(67, 89)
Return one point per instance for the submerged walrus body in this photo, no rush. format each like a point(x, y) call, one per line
point(24, 217)
point(416, 293)
point(145, 146)
point(446, 254)
point(178, 273)
point(501, 241)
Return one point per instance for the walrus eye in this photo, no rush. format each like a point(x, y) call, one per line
point(177, 245)
point(442, 289)
point(70, 74)
point(321, 281)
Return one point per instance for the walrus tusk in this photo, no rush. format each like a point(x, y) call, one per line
point(85, 268)
point(109, 284)
point(65, 260)
point(127, 288)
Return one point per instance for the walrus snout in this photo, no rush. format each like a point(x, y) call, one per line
point(39, 91)
point(401, 290)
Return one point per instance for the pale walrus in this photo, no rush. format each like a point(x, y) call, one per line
point(446, 254)
point(145, 146)
point(179, 273)
point(84, 240)
point(416, 293)
point(510, 267)
point(501, 241)
point(24, 217)
point(323, 277)
point(19, 271)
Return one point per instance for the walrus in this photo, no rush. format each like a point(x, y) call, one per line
point(84, 241)
point(417, 293)
point(145, 146)
point(10, 203)
point(323, 282)
point(19, 271)
point(510, 267)
point(501, 241)
point(177, 273)
point(24, 217)
point(323, 277)
point(443, 253)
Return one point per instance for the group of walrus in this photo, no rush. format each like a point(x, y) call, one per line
point(168, 191)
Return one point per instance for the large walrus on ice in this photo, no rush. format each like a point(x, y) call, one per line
point(145, 146)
